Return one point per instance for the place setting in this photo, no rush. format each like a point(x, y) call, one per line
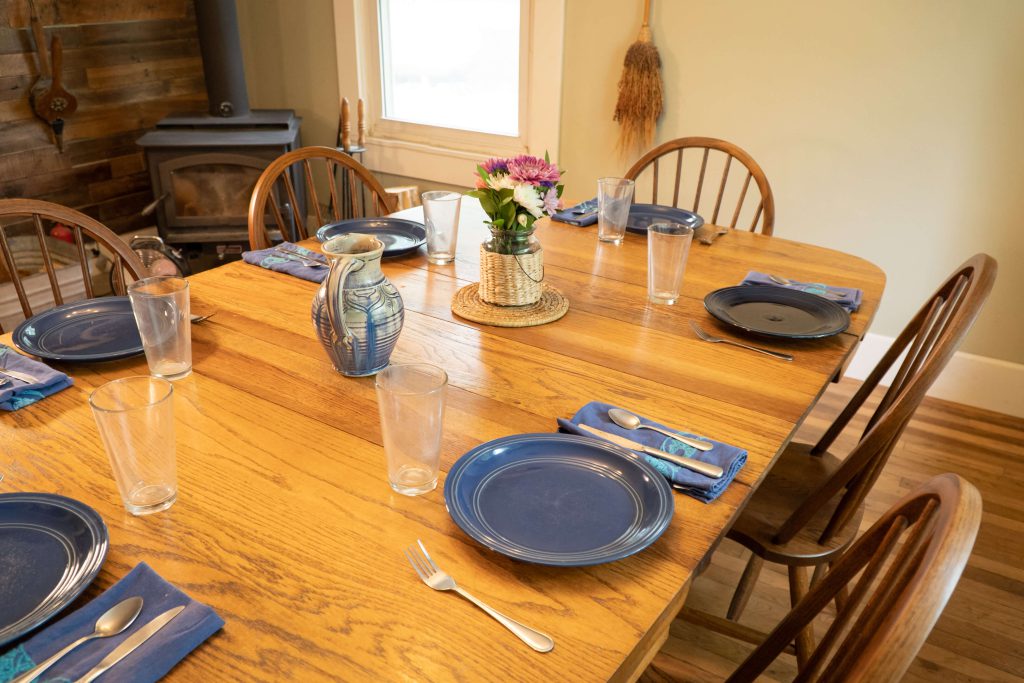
point(55, 546)
point(598, 490)
point(137, 630)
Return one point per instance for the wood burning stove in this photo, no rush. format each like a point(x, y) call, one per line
point(203, 166)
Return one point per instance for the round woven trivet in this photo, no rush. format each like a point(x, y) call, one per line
point(467, 304)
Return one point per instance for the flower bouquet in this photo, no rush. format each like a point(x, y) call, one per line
point(514, 193)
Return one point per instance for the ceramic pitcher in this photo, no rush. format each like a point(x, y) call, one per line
point(357, 312)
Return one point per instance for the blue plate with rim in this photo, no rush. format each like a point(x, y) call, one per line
point(399, 235)
point(83, 331)
point(777, 312)
point(642, 216)
point(51, 548)
point(558, 499)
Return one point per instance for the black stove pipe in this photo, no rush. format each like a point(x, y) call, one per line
point(222, 57)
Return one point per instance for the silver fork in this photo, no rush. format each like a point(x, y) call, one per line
point(439, 581)
point(307, 261)
point(718, 340)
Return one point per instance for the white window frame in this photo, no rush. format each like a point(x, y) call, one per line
point(448, 155)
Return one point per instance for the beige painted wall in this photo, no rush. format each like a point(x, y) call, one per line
point(290, 61)
point(891, 130)
point(888, 129)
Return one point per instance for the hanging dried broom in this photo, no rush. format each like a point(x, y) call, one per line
point(640, 91)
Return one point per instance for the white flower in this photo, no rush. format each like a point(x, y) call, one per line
point(522, 219)
point(526, 196)
point(500, 182)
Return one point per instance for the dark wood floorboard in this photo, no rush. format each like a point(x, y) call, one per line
point(980, 636)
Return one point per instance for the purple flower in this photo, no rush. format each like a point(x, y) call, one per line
point(496, 166)
point(528, 169)
point(551, 201)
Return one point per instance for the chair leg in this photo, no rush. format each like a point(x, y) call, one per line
point(745, 587)
point(819, 573)
point(798, 588)
point(842, 597)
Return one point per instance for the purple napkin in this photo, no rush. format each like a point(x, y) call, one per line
point(704, 488)
point(277, 258)
point(15, 394)
point(148, 663)
point(847, 297)
point(581, 215)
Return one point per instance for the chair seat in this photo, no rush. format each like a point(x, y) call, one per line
point(791, 480)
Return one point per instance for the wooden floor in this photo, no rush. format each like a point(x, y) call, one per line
point(980, 636)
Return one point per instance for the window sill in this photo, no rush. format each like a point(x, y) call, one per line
point(427, 162)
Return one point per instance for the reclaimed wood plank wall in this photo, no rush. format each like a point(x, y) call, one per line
point(129, 63)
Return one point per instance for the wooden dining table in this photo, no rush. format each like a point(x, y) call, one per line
point(285, 523)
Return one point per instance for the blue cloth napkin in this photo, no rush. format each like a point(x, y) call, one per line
point(15, 393)
point(148, 663)
point(276, 258)
point(583, 214)
point(729, 458)
point(849, 298)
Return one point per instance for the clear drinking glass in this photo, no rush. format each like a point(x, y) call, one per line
point(441, 215)
point(668, 245)
point(161, 307)
point(411, 401)
point(135, 417)
point(614, 196)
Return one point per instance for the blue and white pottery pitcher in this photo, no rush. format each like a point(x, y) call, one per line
point(357, 312)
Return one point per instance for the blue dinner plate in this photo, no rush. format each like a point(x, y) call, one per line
point(777, 312)
point(51, 548)
point(641, 216)
point(558, 499)
point(83, 331)
point(399, 235)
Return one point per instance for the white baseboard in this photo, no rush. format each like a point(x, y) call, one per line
point(977, 381)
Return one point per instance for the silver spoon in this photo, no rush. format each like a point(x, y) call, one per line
point(785, 282)
point(628, 420)
point(114, 620)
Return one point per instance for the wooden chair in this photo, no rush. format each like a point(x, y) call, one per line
point(32, 213)
point(901, 573)
point(731, 186)
point(809, 506)
point(353, 192)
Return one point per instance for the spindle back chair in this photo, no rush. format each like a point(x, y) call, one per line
point(809, 506)
point(731, 188)
point(32, 213)
point(352, 192)
point(927, 344)
point(899, 576)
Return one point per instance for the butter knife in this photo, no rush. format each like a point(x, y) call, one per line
point(130, 643)
point(707, 469)
point(20, 376)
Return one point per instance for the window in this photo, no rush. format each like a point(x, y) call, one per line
point(437, 68)
point(448, 83)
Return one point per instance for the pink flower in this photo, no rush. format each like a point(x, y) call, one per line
point(528, 169)
point(551, 201)
point(496, 166)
